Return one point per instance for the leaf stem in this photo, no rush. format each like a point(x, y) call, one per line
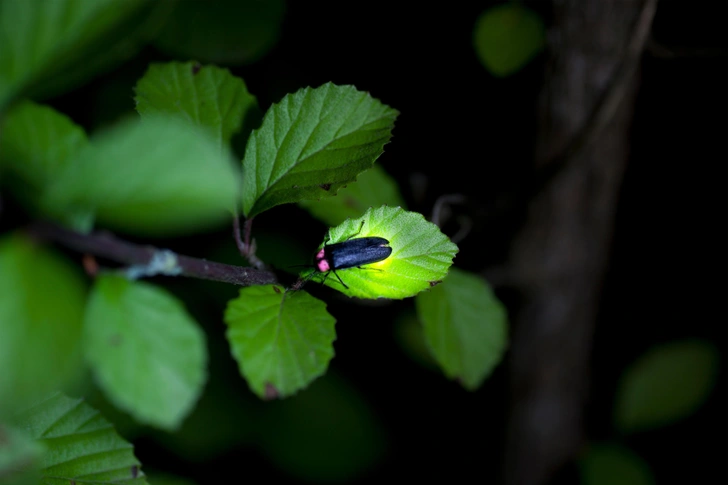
point(150, 261)
point(246, 248)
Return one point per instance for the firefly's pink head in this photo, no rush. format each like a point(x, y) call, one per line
point(321, 264)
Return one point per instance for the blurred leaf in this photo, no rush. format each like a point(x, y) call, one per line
point(36, 144)
point(160, 176)
point(667, 383)
point(81, 446)
point(326, 434)
point(312, 143)
point(411, 338)
point(41, 314)
point(507, 37)
point(466, 327)
point(124, 423)
point(372, 188)
point(146, 351)
point(50, 46)
point(167, 479)
point(281, 340)
point(207, 96)
point(421, 255)
point(220, 421)
point(19, 457)
point(222, 31)
point(610, 464)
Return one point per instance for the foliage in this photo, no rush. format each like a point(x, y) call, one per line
point(171, 171)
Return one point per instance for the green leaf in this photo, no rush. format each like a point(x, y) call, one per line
point(224, 32)
point(507, 37)
point(610, 464)
point(420, 258)
point(19, 457)
point(312, 143)
point(146, 351)
point(50, 46)
point(41, 315)
point(210, 97)
point(81, 446)
point(281, 340)
point(160, 177)
point(667, 383)
point(371, 189)
point(37, 144)
point(327, 434)
point(465, 326)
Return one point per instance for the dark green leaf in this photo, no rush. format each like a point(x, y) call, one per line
point(222, 31)
point(281, 340)
point(80, 445)
point(372, 188)
point(327, 434)
point(37, 144)
point(420, 258)
point(466, 327)
point(41, 314)
point(611, 464)
point(49, 46)
point(208, 96)
point(158, 176)
point(507, 36)
point(312, 143)
point(146, 351)
point(411, 338)
point(667, 383)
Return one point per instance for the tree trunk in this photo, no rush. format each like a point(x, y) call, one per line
point(559, 257)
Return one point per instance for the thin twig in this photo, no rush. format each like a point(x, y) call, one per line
point(443, 202)
point(150, 261)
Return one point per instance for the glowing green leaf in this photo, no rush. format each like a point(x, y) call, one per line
point(465, 326)
point(281, 340)
point(80, 445)
point(420, 258)
point(146, 351)
point(507, 36)
point(312, 143)
point(371, 189)
point(42, 299)
point(667, 383)
point(207, 96)
point(157, 176)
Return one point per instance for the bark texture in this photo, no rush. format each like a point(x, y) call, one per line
point(560, 256)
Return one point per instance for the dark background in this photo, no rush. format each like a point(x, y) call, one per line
point(666, 278)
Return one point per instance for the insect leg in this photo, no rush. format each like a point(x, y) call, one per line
point(337, 275)
point(356, 233)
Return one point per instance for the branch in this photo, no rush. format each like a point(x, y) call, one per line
point(148, 261)
point(600, 115)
